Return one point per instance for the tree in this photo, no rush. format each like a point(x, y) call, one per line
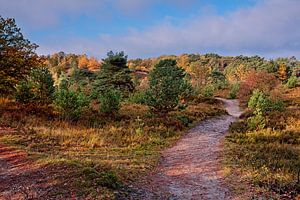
point(38, 87)
point(286, 67)
point(24, 92)
point(199, 74)
point(70, 102)
point(218, 79)
point(114, 75)
point(83, 61)
point(167, 83)
point(43, 84)
point(17, 55)
point(282, 72)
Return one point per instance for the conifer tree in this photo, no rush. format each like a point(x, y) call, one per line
point(114, 75)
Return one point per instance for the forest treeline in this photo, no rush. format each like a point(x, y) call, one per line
point(199, 66)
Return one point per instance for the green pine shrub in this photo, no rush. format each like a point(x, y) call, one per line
point(24, 92)
point(110, 102)
point(38, 87)
point(69, 102)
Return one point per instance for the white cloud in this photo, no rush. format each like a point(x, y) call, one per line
point(270, 28)
point(39, 13)
point(45, 13)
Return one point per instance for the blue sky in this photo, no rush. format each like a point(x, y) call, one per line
point(147, 28)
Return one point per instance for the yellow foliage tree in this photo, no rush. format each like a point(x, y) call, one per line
point(282, 72)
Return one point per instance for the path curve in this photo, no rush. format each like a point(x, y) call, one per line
point(191, 168)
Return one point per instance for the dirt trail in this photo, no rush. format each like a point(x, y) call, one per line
point(191, 168)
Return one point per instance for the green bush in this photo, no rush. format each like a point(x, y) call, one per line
point(138, 97)
point(110, 101)
point(185, 120)
point(261, 102)
point(24, 92)
point(234, 91)
point(70, 103)
point(106, 179)
point(43, 85)
point(38, 87)
point(292, 82)
point(208, 91)
point(256, 122)
point(217, 79)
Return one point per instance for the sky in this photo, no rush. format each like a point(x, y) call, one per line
point(149, 28)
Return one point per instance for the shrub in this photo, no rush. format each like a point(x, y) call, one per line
point(70, 103)
point(185, 120)
point(292, 82)
point(110, 102)
point(208, 91)
point(43, 84)
point(234, 90)
point(109, 180)
point(138, 97)
point(38, 87)
point(262, 102)
point(218, 79)
point(259, 101)
point(24, 92)
point(257, 121)
point(167, 84)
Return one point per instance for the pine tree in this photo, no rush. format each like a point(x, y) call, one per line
point(167, 84)
point(114, 75)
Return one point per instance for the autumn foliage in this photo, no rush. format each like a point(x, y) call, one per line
point(260, 80)
point(17, 55)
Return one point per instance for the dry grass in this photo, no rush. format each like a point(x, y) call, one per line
point(269, 159)
point(102, 151)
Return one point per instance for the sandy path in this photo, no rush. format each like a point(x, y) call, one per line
point(191, 168)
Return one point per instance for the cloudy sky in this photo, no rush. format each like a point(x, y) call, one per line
point(147, 28)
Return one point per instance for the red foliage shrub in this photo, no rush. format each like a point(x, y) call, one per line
point(261, 80)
